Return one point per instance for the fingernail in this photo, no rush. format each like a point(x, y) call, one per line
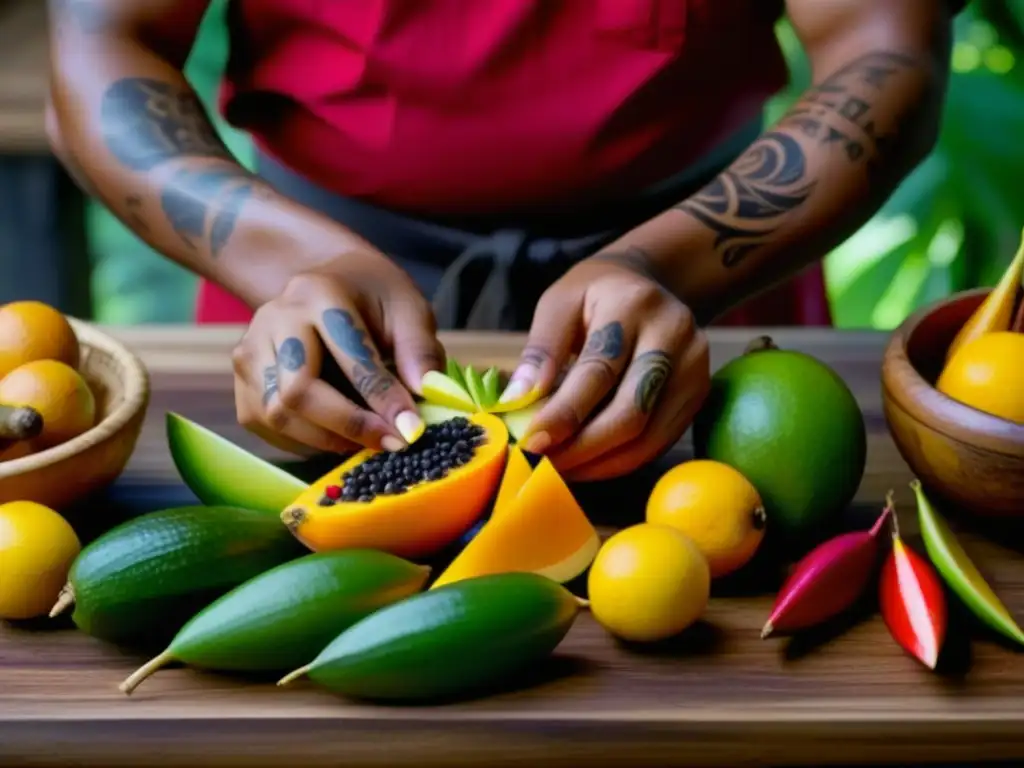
point(410, 426)
point(517, 387)
point(392, 444)
point(537, 443)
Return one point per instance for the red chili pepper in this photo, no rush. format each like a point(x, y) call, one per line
point(828, 580)
point(912, 601)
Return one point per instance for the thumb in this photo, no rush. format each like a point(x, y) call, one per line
point(414, 340)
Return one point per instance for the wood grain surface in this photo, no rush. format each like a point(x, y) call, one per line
point(717, 696)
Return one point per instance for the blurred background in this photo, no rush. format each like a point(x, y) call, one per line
point(954, 224)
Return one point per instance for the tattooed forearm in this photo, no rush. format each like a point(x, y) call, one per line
point(190, 195)
point(653, 369)
point(148, 122)
point(749, 200)
point(861, 108)
point(843, 109)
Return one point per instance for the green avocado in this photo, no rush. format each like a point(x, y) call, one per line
point(141, 581)
point(285, 616)
point(219, 472)
point(451, 641)
point(792, 426)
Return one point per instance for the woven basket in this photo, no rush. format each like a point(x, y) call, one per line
point(61, 475)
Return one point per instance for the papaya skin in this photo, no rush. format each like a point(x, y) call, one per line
point(415, 524)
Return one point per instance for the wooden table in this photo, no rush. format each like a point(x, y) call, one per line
point(718, 696)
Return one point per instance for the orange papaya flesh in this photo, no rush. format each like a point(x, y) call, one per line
point(416, 521)
point(542, 529)
point(517, 472)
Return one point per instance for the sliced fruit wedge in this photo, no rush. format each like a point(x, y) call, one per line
point(441, 389)
point(519, 421)
point(959, 571)
point(517, 472)
point(475, 385)
point(541, 530)
point(221, 473)
point(491, 382)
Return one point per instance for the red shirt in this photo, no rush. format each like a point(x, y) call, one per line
point(459, 106)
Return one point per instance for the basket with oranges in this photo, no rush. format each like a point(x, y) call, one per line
point(44, 398)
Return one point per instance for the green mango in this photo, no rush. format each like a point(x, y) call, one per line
point(959, 571)
point(449, 641)
point(286, 615)
point(141, 581)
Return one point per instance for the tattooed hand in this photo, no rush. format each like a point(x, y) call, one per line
point(641, 373)
point(353, 311)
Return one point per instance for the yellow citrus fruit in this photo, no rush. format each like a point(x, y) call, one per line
point(58, 392)
point(716, 507)
point(988, 374)
point(32, 330)
point(37, 548)
point(648, 582)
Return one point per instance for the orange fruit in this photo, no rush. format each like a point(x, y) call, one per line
point(60, 395)
point(32, 330)
point(987, 373)
point(715, 506)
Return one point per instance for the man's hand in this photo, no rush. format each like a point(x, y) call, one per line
point(638, 381)
point(353, 311)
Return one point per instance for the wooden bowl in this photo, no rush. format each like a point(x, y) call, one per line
point(963, 456)
point(66, 473)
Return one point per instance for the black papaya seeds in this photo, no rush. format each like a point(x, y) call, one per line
point(442, 448)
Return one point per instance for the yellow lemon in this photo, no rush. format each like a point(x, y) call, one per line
point(37, 548)
point(648, 582)
point(716, 507)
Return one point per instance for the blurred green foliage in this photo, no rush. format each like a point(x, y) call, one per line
point(953, 224)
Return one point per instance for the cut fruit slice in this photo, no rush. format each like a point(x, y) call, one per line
point(519, 421)
point(543, 530)
point(431, 413)
point(475, 385)
point(221, 473)
point(518, 404)
point(441, 389)
point(455, 372)
point(959, 571)
point(409, 516)
point(517, 472)
point(492, 382)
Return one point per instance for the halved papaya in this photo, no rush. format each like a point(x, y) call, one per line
point(542, 529)
point(411, 503)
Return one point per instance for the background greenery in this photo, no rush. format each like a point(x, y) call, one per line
point(953, 224)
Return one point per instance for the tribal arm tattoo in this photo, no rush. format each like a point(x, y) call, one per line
point(869, 117)
point(845, 130)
